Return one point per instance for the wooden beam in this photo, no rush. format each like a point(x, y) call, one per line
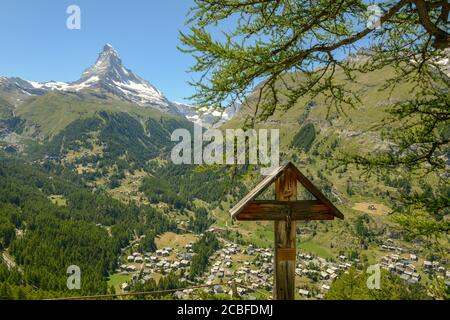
point(256, 191)
point(285, 240)
point(266, 182)
point(273, 210)
point(304, 181)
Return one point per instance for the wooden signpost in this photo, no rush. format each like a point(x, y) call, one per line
point(285, 210)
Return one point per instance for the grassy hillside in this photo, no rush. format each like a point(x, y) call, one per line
point(351, 122)
point(53, 112)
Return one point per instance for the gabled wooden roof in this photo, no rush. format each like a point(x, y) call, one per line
point(266, 182)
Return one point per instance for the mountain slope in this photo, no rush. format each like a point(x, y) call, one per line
point(55, 110)
point(85, 229)
point(109, 79)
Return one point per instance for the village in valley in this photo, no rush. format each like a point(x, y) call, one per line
point(246, 271)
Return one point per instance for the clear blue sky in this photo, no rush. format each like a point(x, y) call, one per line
point(36, 45)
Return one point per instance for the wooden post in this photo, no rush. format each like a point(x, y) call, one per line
point(234, 291)
point(285, 211)
point(285, 240)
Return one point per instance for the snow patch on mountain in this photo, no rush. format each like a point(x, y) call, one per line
point(208, 118)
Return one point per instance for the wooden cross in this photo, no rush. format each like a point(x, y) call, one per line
point(285, 210)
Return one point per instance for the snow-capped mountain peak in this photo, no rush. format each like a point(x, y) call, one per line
point(108, 64)
point(109, 78)
point(108, 74)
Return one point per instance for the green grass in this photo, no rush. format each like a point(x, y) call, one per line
point(55, 111)
point(315, 248)
point(117, 279)
point(264, 236)
point(58, 200)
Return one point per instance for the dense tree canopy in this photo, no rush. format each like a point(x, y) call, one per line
point(203, 249)
point(44, 238)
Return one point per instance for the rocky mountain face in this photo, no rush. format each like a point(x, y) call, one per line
point(108, 78)
point(16, 87)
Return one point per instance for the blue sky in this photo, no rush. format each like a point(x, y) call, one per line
point(36, 45)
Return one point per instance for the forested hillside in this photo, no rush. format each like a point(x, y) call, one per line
point(44, 238)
